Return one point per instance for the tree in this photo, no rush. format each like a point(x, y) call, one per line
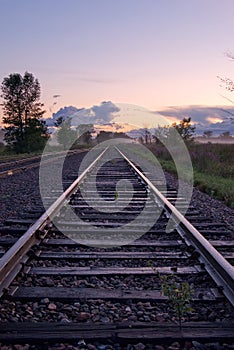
point(226, 135)
point(141, 140)
point(58, 121)
point(2, 146)
point(84, 132)
point(120, 134)
point(104, 136)
point(161, 133)
point(208, 133)
point(227, 83)
point(146, 135)
point(65, 134)
point(22, 111)
point(35, 135)
point(184, 130)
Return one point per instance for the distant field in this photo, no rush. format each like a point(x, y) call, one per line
point(219, 140)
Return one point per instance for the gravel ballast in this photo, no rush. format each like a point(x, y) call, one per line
point(20, 193)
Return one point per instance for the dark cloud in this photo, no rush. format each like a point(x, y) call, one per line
point(104, 113)
point(200, 114)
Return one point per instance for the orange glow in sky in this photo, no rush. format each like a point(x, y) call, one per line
point(214, 120)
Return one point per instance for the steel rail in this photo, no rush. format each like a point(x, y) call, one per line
point(15, 256)
point(14, 162)
point(24, 167)
point(216, 265)
point(27, 159)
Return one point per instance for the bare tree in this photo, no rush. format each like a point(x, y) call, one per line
point(208, 133)
point(227, 83)
point(225, 135)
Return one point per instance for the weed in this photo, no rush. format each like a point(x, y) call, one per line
point(179, 294)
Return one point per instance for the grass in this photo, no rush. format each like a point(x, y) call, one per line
point(217, 159)
point(216, 186)
point(213, 166)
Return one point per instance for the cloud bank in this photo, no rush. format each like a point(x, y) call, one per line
point(200, 114)
point(216, 118)
point(97, 114)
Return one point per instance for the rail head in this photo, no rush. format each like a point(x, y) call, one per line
point(12, 258)
point(217, 266)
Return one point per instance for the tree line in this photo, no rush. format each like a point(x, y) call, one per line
point(183, 130)
point(26, 131)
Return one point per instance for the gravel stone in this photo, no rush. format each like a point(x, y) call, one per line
point(139, 346)
point(15, 203)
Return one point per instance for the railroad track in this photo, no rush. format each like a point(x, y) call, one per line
point(11, 167)
point(105, 284)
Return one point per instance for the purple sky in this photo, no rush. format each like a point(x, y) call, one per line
point(151, 53)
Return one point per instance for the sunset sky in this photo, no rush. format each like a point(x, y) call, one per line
point(151, 53)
